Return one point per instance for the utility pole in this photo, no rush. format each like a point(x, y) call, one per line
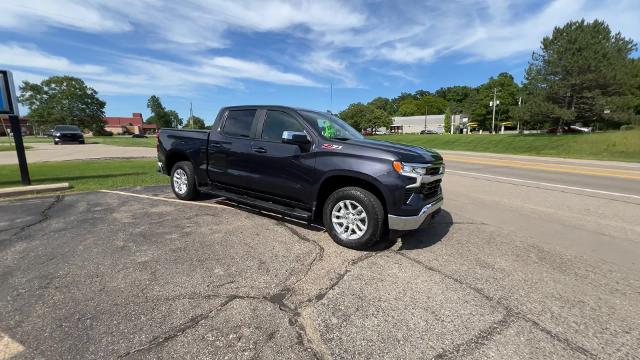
point(493, 117)
point(191, 113)
point(426, 113)
point(519, 115)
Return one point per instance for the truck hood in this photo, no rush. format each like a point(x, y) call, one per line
point(404, 153)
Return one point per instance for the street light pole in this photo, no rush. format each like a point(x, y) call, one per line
point(493, 117)
point(426, 112)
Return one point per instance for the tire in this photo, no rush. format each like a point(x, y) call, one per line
point(352, 202)
point(183, 181)
point(81, 142)
point(55, 143)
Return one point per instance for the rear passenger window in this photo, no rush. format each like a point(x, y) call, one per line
point(239, 123)
point(277, 122)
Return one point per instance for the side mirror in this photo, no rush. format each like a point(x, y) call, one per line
point(295, 138)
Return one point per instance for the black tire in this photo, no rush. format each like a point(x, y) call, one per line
point(180, 169)
point(81, 142)
point(55, 143)
point(375, 224)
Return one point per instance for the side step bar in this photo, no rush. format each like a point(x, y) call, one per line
point(262, 205)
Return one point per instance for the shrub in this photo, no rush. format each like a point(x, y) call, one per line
point(102, 132)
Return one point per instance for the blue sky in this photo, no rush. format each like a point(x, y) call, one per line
point(216, 53)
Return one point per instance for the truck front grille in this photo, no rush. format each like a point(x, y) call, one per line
point(428, 190)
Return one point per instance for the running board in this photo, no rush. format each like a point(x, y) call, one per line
point(262, 205)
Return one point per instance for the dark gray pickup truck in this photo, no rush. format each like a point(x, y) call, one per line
point(307, 165)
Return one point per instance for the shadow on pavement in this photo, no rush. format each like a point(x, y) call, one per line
point(429, 234)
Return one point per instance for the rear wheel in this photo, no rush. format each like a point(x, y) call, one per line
point(354, 217)
point(183, 181)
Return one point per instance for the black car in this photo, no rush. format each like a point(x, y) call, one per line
point(67, 133)
point(308, 165)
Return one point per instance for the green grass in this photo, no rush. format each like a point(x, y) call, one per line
point(87, 175)
point(11, 147)
point(27, 139)
point(150, 141)
point(615, 145)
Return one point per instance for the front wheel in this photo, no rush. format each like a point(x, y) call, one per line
point(183, 181)
point(354, 217)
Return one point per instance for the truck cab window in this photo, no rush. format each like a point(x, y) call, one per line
point(277, 122)
point(238, 123)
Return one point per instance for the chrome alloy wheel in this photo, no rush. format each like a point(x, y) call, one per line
point(180, 181)
point(349, 219)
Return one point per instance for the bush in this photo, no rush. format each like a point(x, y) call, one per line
point(627, 127)
point(102, 132)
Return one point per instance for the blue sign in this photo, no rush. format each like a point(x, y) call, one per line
point(8, 101)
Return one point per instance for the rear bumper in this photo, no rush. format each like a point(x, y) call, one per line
point(413, 222)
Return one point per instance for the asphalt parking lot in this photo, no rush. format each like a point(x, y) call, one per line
point(138, 274)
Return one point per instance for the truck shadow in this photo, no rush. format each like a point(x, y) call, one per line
point(421, 238)
point(427, 235)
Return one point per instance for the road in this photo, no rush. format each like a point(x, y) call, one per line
point(520, 264)
point(41, 152)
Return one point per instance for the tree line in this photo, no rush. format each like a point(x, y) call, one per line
point(68, 100)
point(582, 73)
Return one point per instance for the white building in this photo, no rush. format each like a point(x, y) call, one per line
point(415, 124)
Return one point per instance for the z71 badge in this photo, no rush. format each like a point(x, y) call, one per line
point(331, 147)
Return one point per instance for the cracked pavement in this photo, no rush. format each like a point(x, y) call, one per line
point(105, 275)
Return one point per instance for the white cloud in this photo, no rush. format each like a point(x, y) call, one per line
point(329, 64)
point(31, 57)
point(135, 75)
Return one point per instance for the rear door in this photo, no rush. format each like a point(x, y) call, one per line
point(229, 148)
point(284, 170)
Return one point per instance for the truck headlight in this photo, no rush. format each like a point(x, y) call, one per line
point(410, 169)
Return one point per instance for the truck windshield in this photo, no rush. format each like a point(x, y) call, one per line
point(67, 128)
point(330, 126)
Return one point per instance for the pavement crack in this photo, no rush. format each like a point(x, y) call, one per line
point(509, 311)
point(479, 340)
point(319, 254)
point(179, 330)
point(44, 215)
point(319, 296)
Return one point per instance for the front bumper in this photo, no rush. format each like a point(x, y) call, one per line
point(414, 222)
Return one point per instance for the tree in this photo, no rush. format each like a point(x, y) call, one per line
point(414, 107)
point(195, 122)
point(63, 100)
point(582, 70)
point(477, 104)
point(162, 117)
point(383, 104)
point(361, 116)
point(447, 121)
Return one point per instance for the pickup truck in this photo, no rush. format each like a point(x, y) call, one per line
point(306, 165)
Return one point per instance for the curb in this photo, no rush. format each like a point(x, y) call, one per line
point(33, 189)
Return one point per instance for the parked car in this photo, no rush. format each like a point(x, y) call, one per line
point(380, 132)
point(569, 130)
point(428, 132)
point(307, 165)
point(67, 133)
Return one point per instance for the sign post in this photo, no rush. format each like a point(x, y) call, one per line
point(9, 106)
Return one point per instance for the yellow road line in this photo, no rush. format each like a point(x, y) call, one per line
point(574, 169)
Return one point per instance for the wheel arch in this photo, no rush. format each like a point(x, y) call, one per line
point(334, 182)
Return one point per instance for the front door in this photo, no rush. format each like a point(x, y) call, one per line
point(285, 170)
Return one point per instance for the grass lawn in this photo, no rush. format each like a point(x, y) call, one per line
point(28, 139)
point(150, 141)
point(614, 145)
point(87, 175)
point(4, 147)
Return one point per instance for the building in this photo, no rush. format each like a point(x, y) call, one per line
point(26, 126)
point(415, 124)
point(129, 125)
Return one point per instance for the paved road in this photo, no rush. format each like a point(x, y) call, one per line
point(40, 152)
point(510, 269)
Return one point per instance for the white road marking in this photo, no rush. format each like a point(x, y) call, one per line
point(545, 184)
point(9, 347)
point(165, 199)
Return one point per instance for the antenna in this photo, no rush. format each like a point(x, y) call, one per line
point(331, 98)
